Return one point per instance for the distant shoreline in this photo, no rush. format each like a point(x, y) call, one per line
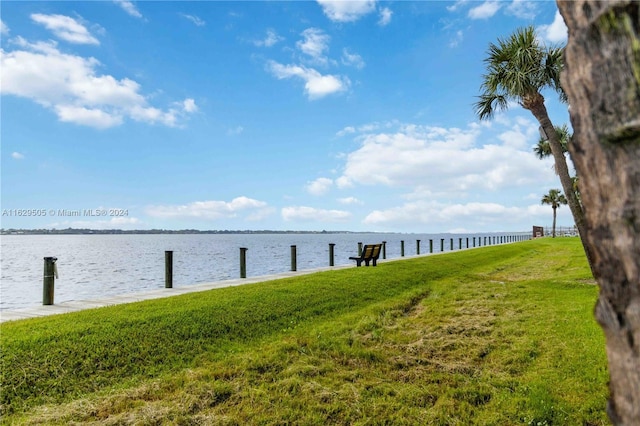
point(83, 231)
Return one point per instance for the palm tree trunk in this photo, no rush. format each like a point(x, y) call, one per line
point(539, 111)
point(553, 231)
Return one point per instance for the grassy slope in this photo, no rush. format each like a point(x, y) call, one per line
point(497, 335)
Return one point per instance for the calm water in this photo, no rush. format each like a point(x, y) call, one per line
point(94, 266)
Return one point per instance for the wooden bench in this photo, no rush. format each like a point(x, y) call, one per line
point(370, 253)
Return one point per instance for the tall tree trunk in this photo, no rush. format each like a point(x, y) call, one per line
point(539, 111)
point(602, 81)
point(553, 230)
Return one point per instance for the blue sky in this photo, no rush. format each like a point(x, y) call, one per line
point(351, 115)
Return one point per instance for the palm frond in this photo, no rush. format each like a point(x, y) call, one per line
point(518, 68)
point(555, 198)
point(490, 103)
point(542, 149)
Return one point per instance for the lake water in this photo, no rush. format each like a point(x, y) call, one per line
point(95, 266)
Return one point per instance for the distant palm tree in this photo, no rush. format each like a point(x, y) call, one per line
point(555, 198)
point(543, 149)
point(518, 69)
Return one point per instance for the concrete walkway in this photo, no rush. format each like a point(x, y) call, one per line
point(78, 305)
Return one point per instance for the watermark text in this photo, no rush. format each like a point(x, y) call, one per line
point(101, 212)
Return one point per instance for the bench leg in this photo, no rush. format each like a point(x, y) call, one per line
point(374, 262)
point(358, 263)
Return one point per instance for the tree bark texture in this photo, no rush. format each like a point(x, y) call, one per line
point(602, 81)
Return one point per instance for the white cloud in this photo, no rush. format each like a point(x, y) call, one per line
point(69, 85)
point(457, 5)
point(17, 156)
point(532, 196)
point(129, 7)
point(346, 11)
point(420, 159)
point(314, 44)
point(352, 59)
point(522, 135)
point(346, 131)
point(235, 131)
point(310, 214)
point(485, 10)
point(193, 18)
point(319, 186)
point(349, 200)
point(270, 39)
point(210, 210)
point(91, 117)
point(438, 215)
point(4, 29)
point(385, 16)
point(556, 32)
point(523, 9)
point(189, 105)
point(457, 39)
point(366, 128)
point(65, 28)
point(316, 85)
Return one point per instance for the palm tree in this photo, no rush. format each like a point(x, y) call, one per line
point(519, 68)
point(555, 198)
point(543, 149)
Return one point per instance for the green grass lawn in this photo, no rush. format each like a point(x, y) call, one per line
point(499, 335)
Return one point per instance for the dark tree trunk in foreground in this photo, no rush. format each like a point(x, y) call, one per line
point(602, 81)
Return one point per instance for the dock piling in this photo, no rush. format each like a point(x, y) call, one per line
point(294, 259)
point(48, 282)
point(331, 257)
point(243, 262)
point(168, 269)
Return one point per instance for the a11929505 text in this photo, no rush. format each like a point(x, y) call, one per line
point(65, 212)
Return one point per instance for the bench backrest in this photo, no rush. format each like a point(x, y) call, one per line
point(367, 252)
point(376, 251)
point(371, 251)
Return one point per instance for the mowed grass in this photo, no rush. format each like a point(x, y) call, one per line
point(499, 335)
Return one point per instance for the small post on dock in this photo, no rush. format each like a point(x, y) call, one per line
point(294, 259)
point(401, 248)
point(48, 283)
point(331, 247)
point(450, 244)
point(430, 246)
point(460, 243)
point(417, 246)
point(384, 249)
point(474, 242)
point(243, 262)
point(168, 269)
point(359, 249)
point(441, 245)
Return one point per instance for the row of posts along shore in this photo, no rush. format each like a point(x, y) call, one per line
point(51, 273)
